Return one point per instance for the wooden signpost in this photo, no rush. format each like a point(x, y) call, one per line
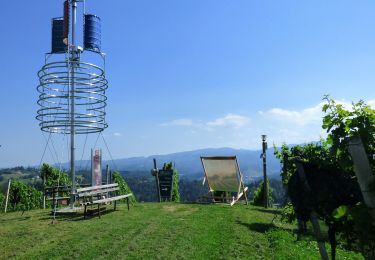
point(164, 183)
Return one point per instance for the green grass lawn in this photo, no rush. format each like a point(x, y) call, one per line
point(157, 231)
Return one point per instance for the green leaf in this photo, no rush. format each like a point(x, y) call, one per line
point(340, 212)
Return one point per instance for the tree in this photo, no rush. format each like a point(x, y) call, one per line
point(259, 195)
point(54, 177)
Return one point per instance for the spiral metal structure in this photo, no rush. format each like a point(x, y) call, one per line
point(56, 94)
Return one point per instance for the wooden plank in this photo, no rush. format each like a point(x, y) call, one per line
point(235, 200)
point(97, 187)
point(220, 158)
point(58, 198)
point(68, 210)
point(100, 191)
point(239, 195)
point(112, 199)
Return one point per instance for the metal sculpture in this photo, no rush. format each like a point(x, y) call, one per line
point(72, 95)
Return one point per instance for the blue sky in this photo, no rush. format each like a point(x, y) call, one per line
point(195, 73)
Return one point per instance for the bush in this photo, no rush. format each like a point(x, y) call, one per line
point(24, 197)
point(2, 201)
point(335, 194)
point(259, 195)
point(176, 176)
point(124, 188)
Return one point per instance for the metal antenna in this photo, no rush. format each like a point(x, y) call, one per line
point(72, 96)
point(73, 58)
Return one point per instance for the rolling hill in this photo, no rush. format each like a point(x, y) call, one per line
point(189, 164)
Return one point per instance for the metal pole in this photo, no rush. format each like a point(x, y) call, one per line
point(265, 181)
point(72, 90)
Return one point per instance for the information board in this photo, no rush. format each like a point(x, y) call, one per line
point(165, 184)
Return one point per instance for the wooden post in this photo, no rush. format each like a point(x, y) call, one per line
point(363, 172)
point(107, 177)
point(244, 191)
point(107, 173)
point(313, 215)
point(155, 170)
point(7, 198)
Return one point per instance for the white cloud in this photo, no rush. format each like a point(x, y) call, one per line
point(280, 124)
point(230, 120)
point(371, 103)
point(306, 116)
point(117, 134)
point(179, 122)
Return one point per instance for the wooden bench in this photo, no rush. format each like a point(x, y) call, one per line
point(57, 195)
point(98, 195)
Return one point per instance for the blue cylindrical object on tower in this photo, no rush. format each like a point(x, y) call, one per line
point(92, 33)
point(58, 45)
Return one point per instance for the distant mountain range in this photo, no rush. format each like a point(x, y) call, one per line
point(189, 165)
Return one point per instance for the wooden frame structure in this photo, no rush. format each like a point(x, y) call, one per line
point(99, 195)
point(223, 175)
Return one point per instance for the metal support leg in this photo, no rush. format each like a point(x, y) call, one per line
point(85, 212)
point(115, 204)
point(99, 209)
point(127, 201)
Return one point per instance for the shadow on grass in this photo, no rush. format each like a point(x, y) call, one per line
point(266, 227)
point(191, 202)
point(78, 216)
point(262, 227)
point(259, 227)
point(15, 218)
point(269, 211)
point(210, 202)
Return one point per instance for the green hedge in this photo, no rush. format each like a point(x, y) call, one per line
point(259, 195)
point(24, 197)
point(124, 187)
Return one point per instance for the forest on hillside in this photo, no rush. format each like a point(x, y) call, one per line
point(142, 184)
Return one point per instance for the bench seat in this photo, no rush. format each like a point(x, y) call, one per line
point(112, 199)
point(90, 196)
